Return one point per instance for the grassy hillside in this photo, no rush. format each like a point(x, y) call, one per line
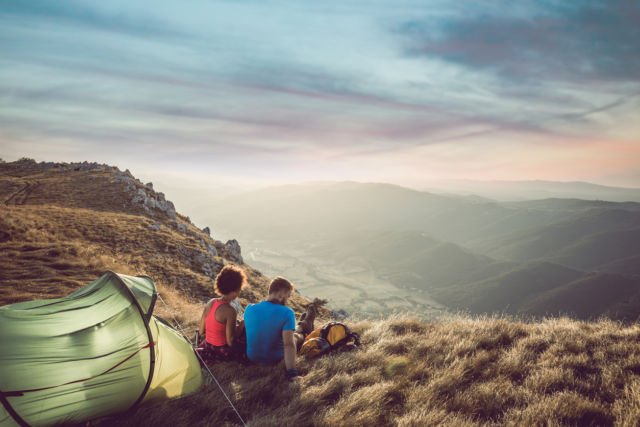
point(546, 289)
point(62, 225)
point(593, 295)
point(509, 291)
point(599, 249)
point(548, 241)
point(457, 371)
point(627, 266)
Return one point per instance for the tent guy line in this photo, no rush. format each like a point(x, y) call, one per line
point(182, 331)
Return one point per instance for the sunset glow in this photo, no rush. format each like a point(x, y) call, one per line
point(270, 92)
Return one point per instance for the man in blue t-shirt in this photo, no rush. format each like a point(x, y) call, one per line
point(271, 328)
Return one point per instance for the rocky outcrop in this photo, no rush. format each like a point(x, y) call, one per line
point(211, 250)
point(119, 190)
point(202, 261)
point(233, 251)
point(143, 195)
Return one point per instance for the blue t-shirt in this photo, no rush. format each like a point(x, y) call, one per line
point(264, 323)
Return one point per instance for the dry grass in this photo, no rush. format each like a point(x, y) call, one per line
point(457, 371)
point(61, 231)
point(49, 251)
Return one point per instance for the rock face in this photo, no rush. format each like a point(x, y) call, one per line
point(339, 314)
point(233, 250)
point(211, 250)
point(207, 231)
point(206, 263)
point(145, 196)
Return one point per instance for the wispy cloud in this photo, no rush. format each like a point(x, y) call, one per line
point(251, 87)
point(572, 41)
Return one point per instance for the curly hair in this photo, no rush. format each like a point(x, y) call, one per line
point(229, 279)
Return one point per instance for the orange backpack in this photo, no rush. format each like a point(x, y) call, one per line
point(330, 337)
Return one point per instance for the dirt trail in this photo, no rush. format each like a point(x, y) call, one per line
point(20, 196)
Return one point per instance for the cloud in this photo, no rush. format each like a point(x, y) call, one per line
point(568, 41)
point(82, 14)
point(258, 87)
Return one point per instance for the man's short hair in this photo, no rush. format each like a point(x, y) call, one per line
point(280, 284)
point(229, 279)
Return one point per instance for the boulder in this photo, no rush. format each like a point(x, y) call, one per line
point(233, 251)
point(339, 314)
point(211, 249)
point(150, 203)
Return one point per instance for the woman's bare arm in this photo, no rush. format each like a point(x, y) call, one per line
point(231, 317)
point(203, 319)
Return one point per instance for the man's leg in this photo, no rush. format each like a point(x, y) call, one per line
point(305, 325)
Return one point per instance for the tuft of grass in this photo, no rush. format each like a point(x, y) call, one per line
point(396, 366)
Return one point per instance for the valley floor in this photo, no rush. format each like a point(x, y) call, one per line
point(352, 285)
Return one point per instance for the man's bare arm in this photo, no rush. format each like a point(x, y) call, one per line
point(289, 350)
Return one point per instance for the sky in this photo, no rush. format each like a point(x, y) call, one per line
point(269, 92)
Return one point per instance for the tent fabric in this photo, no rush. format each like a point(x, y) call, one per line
point(95, 352)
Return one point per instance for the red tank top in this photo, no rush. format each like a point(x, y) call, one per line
point(215, 331)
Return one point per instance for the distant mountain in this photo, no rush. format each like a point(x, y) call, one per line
point(627, 266)
point(545, 289)
point(590, 296)
point(509, 291)
point(335, 208)
point(328, 208)
point(547, 241)
point(466, 252)
point(322, 209)
point(531, 190)
point(594, 251)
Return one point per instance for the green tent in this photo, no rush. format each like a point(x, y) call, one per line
point(95, 352)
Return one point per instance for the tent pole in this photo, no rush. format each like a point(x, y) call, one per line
point(16, 417)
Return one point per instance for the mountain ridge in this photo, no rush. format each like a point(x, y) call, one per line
point(416, 241)
point(453, 371)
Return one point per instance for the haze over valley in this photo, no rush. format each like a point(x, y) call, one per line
point(373, 249)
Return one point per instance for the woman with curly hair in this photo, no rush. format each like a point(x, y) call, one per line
point(223, 333)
